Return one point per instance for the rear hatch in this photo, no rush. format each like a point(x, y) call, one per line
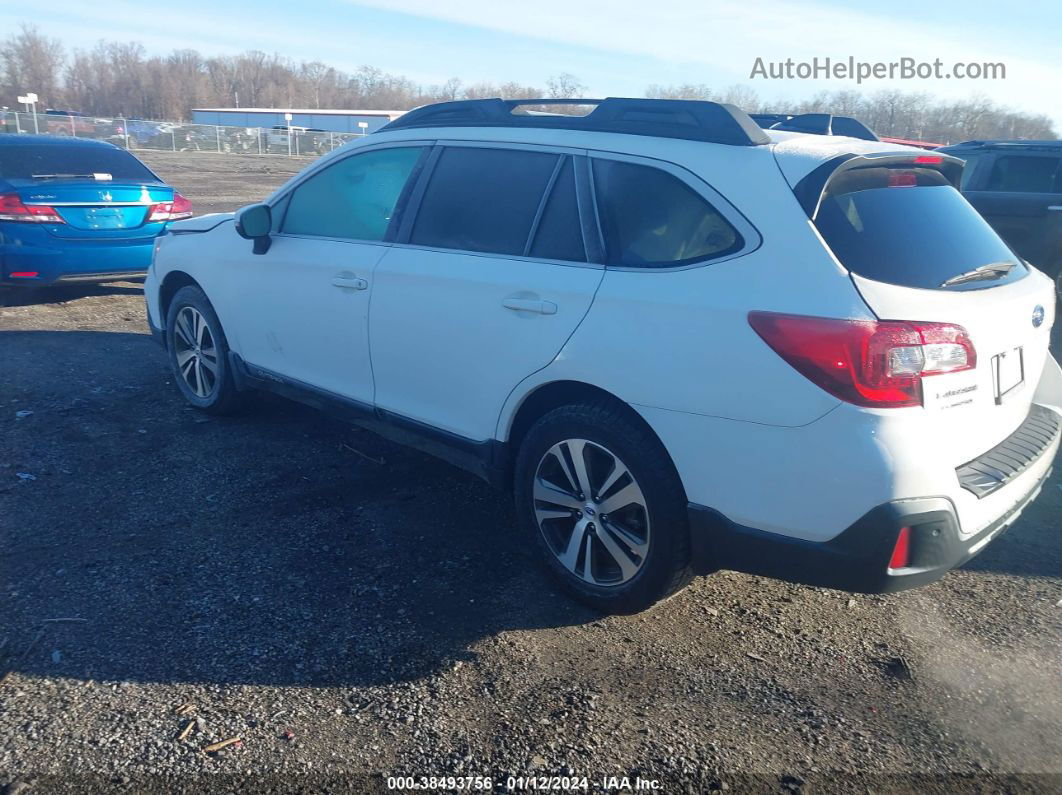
point(98, 192)
point(917, 251)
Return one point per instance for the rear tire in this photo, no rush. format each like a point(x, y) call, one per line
point(599, 497)
point(199, 354)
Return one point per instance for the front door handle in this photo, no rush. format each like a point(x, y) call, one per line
point(1055, 208)
point(530, 305)
point(350, 282)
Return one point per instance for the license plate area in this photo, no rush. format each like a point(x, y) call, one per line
point(1008, 373)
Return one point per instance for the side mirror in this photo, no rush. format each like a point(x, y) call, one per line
point(255, 222)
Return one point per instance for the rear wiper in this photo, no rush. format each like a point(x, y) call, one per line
point(993, 270)
point(97, 176)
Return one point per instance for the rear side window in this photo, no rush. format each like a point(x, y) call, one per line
point(653, 219)
point(559, 235)
point(482, 199)
point(352, 199)
point(1026, 174)
point(971, 161)
point(47, 162)
point(911, 228)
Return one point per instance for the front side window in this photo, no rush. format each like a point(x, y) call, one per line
point(653, 219)
point(483, 199)
point(1025, 174)
point(353, 199)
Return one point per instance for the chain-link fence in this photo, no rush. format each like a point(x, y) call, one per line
point(171, 136)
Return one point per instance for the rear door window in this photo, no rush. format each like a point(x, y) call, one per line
point(911, 228)
point(484, 199)
point(1025, 174)
point(352, 199)
point(559, 235)
point(652, 219)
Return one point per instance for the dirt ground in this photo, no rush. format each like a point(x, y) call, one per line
point(352, 610)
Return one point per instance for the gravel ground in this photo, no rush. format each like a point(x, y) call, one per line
point(353, 610)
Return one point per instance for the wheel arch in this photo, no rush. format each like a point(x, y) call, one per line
point(173, 281)
point(551, 395)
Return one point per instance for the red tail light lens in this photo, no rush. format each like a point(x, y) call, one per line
point(901, 553)
point(12, 209)
point(179, 208)
point(878, 364)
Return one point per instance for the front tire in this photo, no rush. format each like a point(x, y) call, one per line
point(600, 498)
point(199, 353)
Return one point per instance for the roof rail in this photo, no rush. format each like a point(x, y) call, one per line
point(816, 124)
point(692, 120)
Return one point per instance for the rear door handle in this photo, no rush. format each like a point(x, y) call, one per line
point(530, 305)
point(1055, 208)
point(350, 282)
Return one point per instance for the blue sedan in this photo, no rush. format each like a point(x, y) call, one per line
point(74, 210)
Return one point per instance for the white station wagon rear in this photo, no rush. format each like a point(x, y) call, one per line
point(684, 343)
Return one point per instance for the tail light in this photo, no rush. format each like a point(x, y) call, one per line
point(179, 208)
point(12, 209)
point(879, 364)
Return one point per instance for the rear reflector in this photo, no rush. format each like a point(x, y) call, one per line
point(873, 363)
point(901, 553)
point(22, 275)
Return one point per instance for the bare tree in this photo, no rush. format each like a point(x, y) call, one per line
point(564, 86)
point(32, 62)
point(120, 78)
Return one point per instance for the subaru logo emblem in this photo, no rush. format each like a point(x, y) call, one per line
point(1038, 316)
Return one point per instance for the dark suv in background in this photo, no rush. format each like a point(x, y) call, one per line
point(1017, 187)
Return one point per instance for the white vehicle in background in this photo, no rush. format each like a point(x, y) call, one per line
point(684, 342)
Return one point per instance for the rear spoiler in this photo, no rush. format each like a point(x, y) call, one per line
point(810, 190)
point(816, 124)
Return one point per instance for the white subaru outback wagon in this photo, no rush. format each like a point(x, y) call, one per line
point(685, 343)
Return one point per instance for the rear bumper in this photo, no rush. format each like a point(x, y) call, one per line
point(857, 559)
point(52, 259)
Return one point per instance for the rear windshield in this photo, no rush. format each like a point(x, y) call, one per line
point(912, 228)
point(38, 162)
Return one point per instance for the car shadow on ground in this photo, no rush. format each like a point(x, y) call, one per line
point(145, 541)
point(276, 547)
point(63, 293)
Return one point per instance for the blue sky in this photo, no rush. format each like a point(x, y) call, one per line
point(615, 47)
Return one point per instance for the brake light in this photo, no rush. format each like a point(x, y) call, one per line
point(12, 209)
point(929, 160)
point(179, 208)
point(873, 363)
point(23, 274)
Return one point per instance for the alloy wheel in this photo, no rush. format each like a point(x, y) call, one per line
point(197, 355)
point(591, 512)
